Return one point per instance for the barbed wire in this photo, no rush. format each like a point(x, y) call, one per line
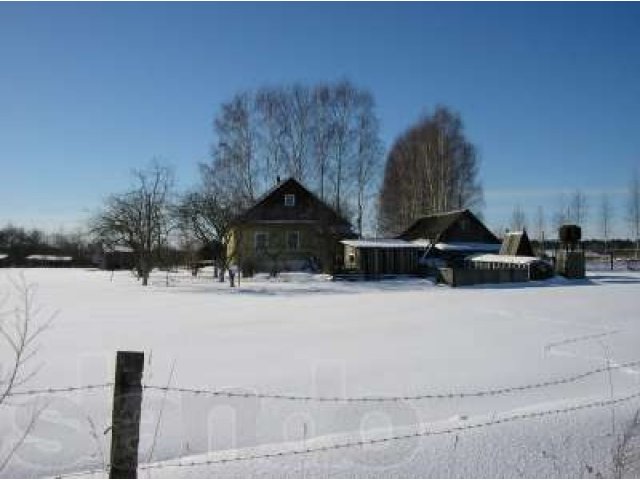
point(310, 398)
point(84, 473)
point(582, 338)
point(395, 398)
point(417, 434)
point(359, 443)
point(53, 390)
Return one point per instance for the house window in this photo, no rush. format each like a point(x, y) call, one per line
point(260, 241)
point(293, 240)
point(289, 200)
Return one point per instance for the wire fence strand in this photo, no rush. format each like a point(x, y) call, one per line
point(84, 473)
point(344, 445)
point(363, 399)
point(43, 391)
point(361, 443)
point(375, 441)
point(395, 398)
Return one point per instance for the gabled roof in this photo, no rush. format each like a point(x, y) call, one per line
point(432, 226)
point(270, 208)
point(517, 244)
point(436, 227)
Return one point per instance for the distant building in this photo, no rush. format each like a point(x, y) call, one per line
point(48, 261)
point(288, 228)
point(115, 257)
point(375, 257)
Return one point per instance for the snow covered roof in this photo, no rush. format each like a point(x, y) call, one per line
point(468, 247)
point(385, 243)
point(3, 256)
point(422, 243)
point(591, 254)
point(49, 258)
point(118, 248)
point(489, 258)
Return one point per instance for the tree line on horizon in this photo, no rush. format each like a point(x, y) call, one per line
point(575, 208)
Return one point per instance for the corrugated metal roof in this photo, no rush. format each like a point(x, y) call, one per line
point(490, 258)
point(384, 243)
point(468, 246)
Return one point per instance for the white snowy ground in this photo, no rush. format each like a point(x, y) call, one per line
point(305, 335)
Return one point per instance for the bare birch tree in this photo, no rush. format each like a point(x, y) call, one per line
point(540, 223)
point(578, 208)
point(561, 215)
point(235, 151)
point(606, 219)
point(367, 156)
point(286, 121)
point(342, 111)
point(633, 209)
point(518, 219)
point(322, 134)
point(431, 168)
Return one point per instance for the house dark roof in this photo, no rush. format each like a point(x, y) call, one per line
point(454, 226)
point(271, 208)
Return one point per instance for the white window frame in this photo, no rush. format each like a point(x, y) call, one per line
point(289, 200)
point(297, 247)
point(259, 248)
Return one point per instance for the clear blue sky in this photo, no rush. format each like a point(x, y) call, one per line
point(550, 93)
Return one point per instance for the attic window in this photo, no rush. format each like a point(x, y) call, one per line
point(289, 200)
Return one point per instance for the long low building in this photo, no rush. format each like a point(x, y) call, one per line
point(402, 257)
point(491, 268)
point(374, 257)
point(431, 242)
point(48, 260)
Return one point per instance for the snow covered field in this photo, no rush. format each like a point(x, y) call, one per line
point(308, 336)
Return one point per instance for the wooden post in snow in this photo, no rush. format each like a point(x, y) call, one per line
point(127, 401)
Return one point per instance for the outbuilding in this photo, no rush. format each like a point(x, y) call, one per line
point(48, 261)
point(379, 257)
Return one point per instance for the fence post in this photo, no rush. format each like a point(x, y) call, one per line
point(125, 424)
